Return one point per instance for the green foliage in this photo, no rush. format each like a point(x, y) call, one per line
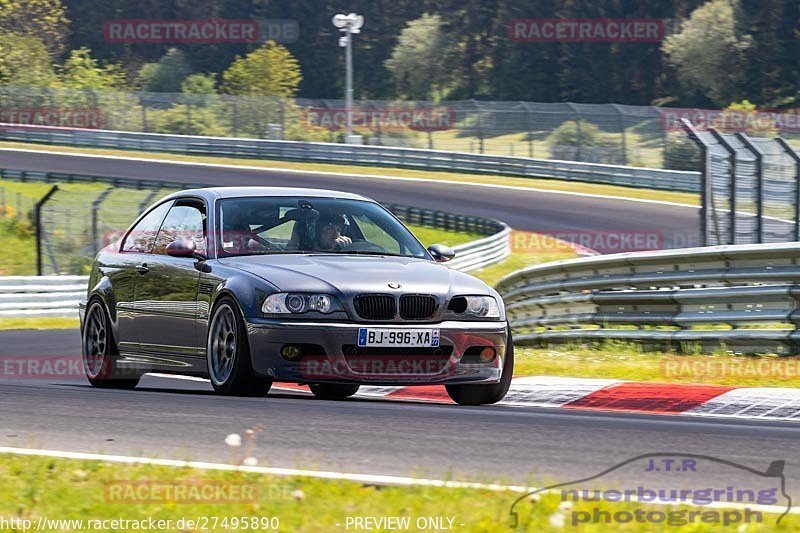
point(199, 84)
point(81, 71)
point(191, 120)
point(44, 20)
point(166, 75)
point(709, 51)
point(24, 61)
point(681, 153)
point(419, 62)
point(744, 105)
point(584, 141)
point(271, 70)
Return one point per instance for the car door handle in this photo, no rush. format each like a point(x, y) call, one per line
point(142, 268)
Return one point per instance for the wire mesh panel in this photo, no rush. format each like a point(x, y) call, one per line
point(717, 193)
point(779, 190)
point(746, 192)
point(595, 133)
point(79, 220)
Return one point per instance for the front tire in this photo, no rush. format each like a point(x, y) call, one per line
point(333, 391)
point(99, 352)
point(228, 354)
point(486, 394)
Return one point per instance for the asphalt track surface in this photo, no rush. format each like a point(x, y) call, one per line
point(169, 418)
point(523, 210)
point(181, 419)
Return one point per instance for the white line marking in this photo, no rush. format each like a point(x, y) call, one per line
point(273, 471)
point(363, 176)
point(377, 479)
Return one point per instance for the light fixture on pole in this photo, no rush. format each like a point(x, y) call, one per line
point(348, 24)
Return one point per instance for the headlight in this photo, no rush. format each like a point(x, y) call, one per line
point(475, 306)
point(283, 303)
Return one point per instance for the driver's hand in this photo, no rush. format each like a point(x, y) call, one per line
point(342, 241)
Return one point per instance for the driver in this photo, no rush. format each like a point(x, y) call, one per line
point(329, 233)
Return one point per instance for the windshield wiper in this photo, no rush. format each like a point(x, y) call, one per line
point(367, 252)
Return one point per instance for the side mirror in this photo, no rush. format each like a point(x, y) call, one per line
point(184, 248)
point(441, 253)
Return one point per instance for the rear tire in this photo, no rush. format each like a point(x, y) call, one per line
point(228, 354)
point(333, 391)
point(486, 394)
point(99, 352)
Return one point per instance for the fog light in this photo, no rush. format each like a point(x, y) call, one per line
point(487, 355)
point(291, 352)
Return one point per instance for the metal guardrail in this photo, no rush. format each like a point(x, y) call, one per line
point(22, 296)
point(413, 158)
point(744, 297)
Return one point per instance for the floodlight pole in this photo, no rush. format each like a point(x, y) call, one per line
point(348, 84)
point(349, 24)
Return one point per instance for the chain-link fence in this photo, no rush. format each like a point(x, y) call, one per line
point(642, 136)
point(750, 188)
point(79, 215)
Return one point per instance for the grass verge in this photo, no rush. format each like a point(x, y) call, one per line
point(534, 183)
point(43, 323)
point(626, 361)
point(34, 488)
point(517, 260)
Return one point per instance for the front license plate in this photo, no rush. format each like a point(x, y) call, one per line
point(398, 337)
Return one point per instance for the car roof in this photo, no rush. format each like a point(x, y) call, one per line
point(216, 193)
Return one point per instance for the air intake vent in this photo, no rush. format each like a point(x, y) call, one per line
point(417, 306)
point(375, 306)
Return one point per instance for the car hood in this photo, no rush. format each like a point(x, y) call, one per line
point(351, 274)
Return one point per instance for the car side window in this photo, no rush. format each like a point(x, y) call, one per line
point(186, 220)
point(143, 235)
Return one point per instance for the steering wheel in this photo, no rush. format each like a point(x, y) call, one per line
point(364, 245)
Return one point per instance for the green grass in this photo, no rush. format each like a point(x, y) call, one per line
point(627, 361)
point(44, 323)
point(58, 489)
point(536, 183)
point(428, 236)
point(517, 260)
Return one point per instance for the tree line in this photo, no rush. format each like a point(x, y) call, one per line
point(714, 53)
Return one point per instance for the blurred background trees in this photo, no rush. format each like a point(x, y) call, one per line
point(716, 51)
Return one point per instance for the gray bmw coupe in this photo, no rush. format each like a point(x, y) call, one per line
point(246, 286)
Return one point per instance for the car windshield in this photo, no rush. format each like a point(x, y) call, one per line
point(279, 225)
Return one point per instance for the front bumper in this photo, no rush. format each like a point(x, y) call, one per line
point(399, 367)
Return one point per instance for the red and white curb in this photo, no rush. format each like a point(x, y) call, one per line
point(696, 400)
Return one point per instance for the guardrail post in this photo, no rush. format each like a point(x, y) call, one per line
point(796, 158)
point(621, 116)
point(144, 117)
point(38, 222)
point(234, 117)
point(95, 208)
point(148, 200)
